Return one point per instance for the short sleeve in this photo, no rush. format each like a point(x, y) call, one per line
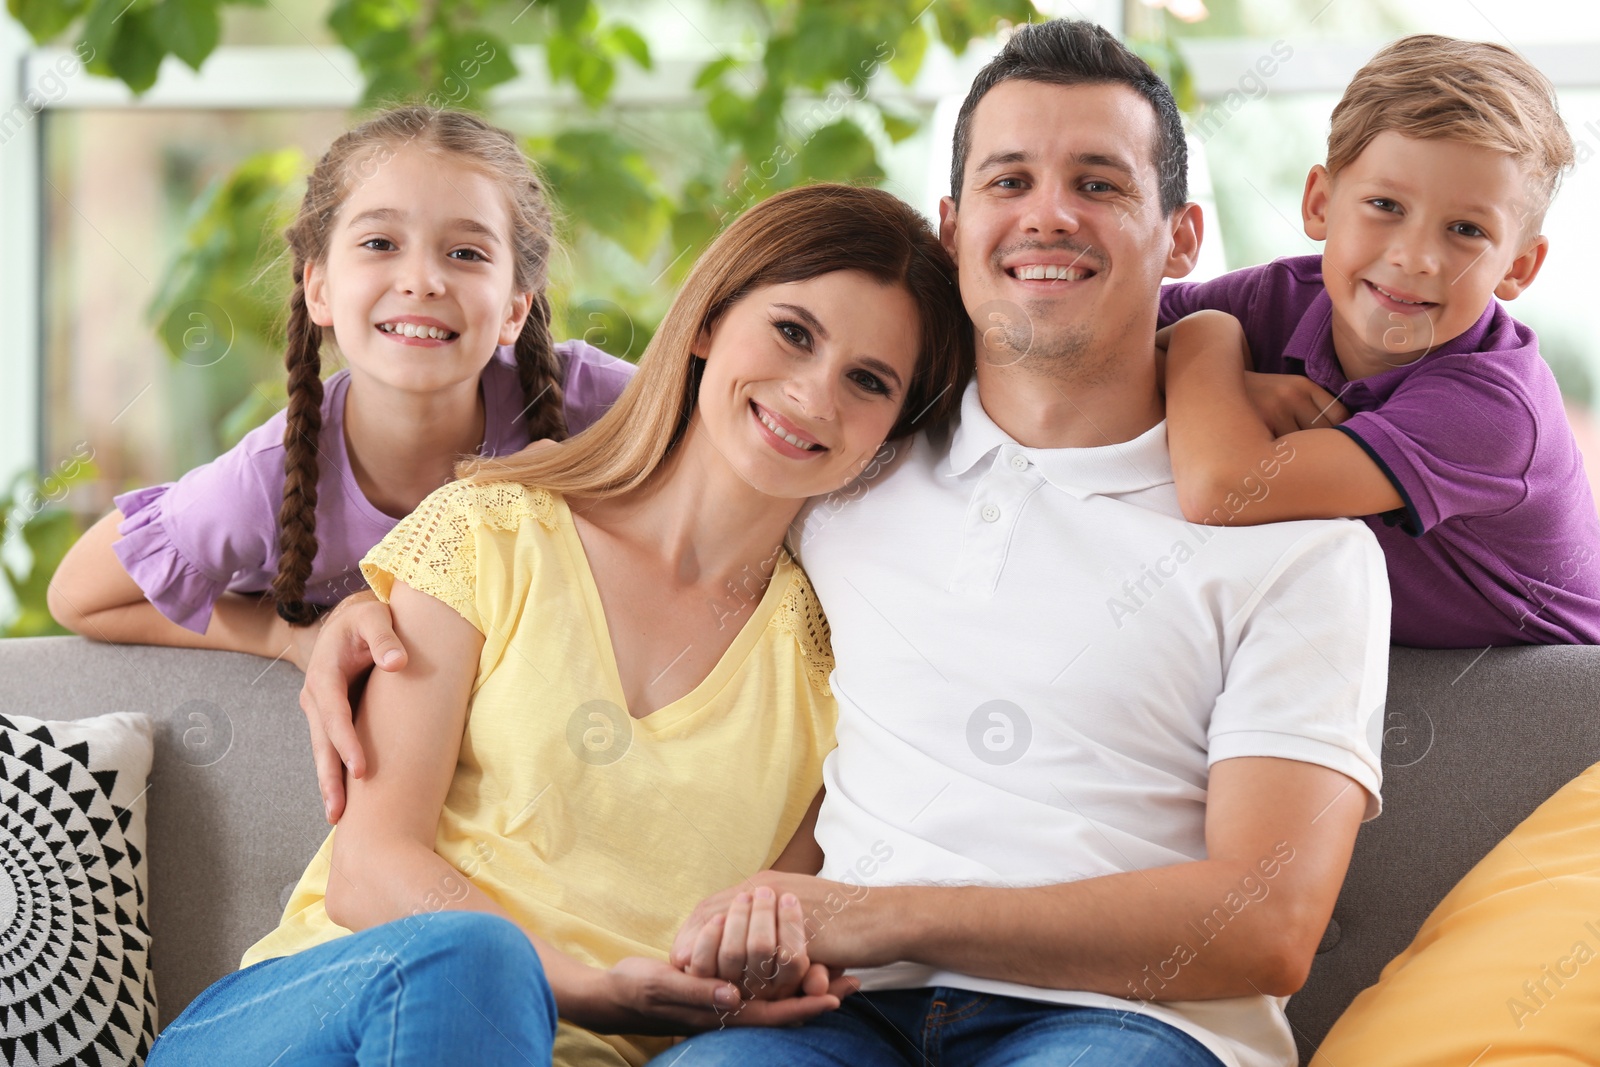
point(593, 380)
point(800, 615)
point(434, 550)
point(183, 542)
point(1309, 671)
point(1453, 441)
point(1230, 293)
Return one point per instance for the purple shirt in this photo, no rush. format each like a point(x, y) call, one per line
point(1498, 542)
point(215, 529)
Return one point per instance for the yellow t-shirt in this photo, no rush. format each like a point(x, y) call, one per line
point(595, 830)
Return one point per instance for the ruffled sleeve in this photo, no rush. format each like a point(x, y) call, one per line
point(182, 543)
point(434, 550)
point(173, 584)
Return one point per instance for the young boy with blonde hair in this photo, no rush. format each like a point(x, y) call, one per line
point(1394, 386)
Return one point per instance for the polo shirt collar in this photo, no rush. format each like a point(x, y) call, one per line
point(1107, 470)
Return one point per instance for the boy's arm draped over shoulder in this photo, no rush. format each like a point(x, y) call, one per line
point(1231, 468)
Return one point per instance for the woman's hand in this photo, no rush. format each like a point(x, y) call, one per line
point(350, 639)
point(646, 996)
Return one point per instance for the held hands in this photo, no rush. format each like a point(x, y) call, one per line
point(756, 937)
point(646, 996)
point(354, 636)
point(759, 944)
point(742, 966)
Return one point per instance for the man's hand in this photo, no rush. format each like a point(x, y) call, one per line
point(1291, 402)
point(822, 907)
point(355, 635)
point(759, 944)
point(299, 641)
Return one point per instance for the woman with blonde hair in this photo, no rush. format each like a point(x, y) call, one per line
point(617, 697)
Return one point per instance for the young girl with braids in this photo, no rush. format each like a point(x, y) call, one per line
point(421, 249)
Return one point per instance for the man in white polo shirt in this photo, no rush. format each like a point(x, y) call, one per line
point(1099, 770)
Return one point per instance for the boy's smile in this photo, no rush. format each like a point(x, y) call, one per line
point(1420, 234)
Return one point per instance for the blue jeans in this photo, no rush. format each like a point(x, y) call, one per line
point(949, 1028)
point(441, 988)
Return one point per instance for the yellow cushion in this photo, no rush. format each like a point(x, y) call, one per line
point(1507, 968)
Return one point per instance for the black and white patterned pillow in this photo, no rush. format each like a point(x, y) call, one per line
point(75, 981)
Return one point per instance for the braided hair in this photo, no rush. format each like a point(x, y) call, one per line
point(466, 138)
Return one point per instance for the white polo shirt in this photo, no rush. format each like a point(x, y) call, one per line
point(1038, 659)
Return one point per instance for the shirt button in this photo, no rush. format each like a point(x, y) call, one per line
point(991, 513)
point(1019, 462)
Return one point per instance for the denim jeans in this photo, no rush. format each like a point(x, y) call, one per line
point(949, 1028)
point(443, 988)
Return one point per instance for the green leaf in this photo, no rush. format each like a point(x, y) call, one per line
point(136, 51)
point(218, 262)
point(606, 183)
point(100, 30)
point(189, 28)
point(728, 111)
point(898, 127)
point(909, 52)
point(354, 20)
point(390, 86)
point(473, 63)
point(45, 19)
point(693, 230)
point(627, 41)
point(259, 404)
point(712, 72)
point(840, 151)
point(576, 16)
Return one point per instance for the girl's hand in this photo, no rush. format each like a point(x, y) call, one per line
point(646, 996)
point(759, 944)
point(359, 632)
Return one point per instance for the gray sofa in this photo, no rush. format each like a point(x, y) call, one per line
point(1473, 743)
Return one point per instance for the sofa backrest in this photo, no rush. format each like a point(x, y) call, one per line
point(1473, 742)
point(233, 810)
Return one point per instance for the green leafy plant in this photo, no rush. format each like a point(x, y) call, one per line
point(638, 193)
point(35, 533)
point(637, 199)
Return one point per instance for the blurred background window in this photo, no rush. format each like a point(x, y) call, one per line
point(145, 280)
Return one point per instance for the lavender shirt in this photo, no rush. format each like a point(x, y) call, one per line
point(1498, 542)
point(215, 529)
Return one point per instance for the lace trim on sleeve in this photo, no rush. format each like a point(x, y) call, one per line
point(432, 549)
point(800, 614)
